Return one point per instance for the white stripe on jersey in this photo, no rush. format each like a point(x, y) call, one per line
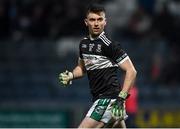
point(105, 39)
point(97, 62)
point(127, 57)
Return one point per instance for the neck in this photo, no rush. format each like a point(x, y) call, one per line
point(92, 37)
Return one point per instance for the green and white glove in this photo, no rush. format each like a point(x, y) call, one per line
point(118, 106)
point(66, 78)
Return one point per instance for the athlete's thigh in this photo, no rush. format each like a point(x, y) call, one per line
point(97, 114)
point(90, 123)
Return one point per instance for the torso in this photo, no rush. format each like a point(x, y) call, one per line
point(101, 66)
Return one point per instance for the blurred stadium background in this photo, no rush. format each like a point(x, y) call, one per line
point(39, 39)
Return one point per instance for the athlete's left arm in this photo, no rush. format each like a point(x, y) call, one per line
point(120, 57)
point(130, 74)
point(118, 107)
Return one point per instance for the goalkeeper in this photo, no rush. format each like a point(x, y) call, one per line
point(100, 58)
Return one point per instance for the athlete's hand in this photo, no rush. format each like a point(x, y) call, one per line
point(65, 78)
point(118, 106)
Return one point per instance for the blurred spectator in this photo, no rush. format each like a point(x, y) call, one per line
point(139, 25)
point(38, 19)
point(165, 25)
point(147, 5)
point(39, 26)
point(164, 21)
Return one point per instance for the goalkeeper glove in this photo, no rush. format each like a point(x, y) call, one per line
point(118, 106)
point(65, 78)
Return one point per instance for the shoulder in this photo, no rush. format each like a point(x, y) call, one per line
point(105, 39)
point(108, 43)
point(84, 40)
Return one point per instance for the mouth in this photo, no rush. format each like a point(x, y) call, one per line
point(96, 29)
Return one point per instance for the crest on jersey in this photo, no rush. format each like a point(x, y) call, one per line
point(91, 46)
point(98, 48)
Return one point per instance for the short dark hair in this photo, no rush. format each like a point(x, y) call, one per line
point(95, 8)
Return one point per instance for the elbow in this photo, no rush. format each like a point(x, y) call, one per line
point(133, 73)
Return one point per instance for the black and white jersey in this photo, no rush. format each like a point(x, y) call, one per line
point(101, 57)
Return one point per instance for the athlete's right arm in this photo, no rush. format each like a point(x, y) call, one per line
point(78, 72)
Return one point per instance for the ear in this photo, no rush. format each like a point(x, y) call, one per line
point(105, 22)
point(85, 21)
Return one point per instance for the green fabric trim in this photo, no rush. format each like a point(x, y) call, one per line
point(99, 109)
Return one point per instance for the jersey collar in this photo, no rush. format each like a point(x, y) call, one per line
point(91, 38)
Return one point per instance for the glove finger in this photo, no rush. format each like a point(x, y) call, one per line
point(63, 82)
point(60, 77)
point(113, 115)
point(113, 111)
point(121, 114)
point(116, 111)
point(63, 75)
point(65, 79)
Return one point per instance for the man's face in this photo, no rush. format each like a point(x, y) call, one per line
point(95, 23)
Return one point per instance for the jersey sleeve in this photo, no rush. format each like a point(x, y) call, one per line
point(115, 52)
point(80, 51)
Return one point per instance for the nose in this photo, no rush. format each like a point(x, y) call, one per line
point(96, 23)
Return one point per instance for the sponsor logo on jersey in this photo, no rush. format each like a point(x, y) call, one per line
point(84, 46)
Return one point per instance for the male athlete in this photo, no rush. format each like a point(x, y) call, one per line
point(100, 58)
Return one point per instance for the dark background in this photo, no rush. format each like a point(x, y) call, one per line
point(39, 39)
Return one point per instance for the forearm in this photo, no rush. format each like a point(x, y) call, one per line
point(67, 77)
point(78, 72)
point(129, 80)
